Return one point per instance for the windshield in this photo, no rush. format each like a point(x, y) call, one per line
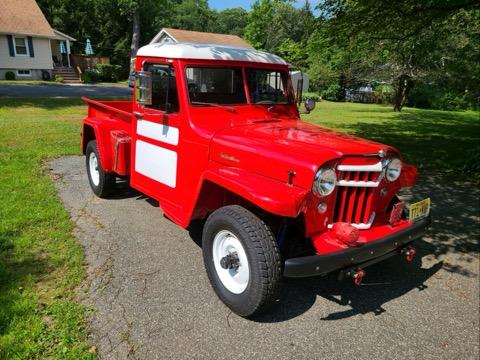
point(222, 86)
point(268, 86)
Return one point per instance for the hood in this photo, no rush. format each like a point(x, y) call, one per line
point(276, 148)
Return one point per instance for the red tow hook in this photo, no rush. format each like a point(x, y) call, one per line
point(358, 276)
point(410, 253)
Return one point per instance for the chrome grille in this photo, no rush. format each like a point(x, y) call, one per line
point(356, 187)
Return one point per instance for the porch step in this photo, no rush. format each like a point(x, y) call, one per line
point(69, 75)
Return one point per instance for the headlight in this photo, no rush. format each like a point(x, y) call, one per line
point(325, 181)
point(394, 169)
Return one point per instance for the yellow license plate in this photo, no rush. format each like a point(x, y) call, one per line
point(419, 209)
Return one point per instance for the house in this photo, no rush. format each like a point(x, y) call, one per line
point(29, 47)
point(185, 36)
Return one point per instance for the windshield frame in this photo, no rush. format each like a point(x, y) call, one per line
point(285, 81)
point(243, 67)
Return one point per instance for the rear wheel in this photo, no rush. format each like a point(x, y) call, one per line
point(242, 260)
point(101, 182)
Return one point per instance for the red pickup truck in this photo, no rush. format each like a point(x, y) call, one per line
point(214, 134)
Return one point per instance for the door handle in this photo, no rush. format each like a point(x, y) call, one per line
point(138, 114)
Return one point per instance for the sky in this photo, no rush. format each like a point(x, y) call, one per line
point(246, 4)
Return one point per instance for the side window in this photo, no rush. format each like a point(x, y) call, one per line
point(164, 88)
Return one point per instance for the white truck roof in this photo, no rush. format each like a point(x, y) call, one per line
point(208, 52)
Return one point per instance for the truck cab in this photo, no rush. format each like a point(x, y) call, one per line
point(214, 134)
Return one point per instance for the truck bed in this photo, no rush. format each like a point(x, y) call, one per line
point(109, 123)
point(100, 109)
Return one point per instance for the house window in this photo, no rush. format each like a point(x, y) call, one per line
point(24, 73)
point(20, 46)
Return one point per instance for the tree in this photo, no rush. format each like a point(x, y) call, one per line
point(193, 15)
point(231, 21)
point(409, 32)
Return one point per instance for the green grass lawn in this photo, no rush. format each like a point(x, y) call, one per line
point(41, 264)
point(432, 140)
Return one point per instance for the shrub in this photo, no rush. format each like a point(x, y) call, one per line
point(431, 96)
point(9, 75)
point(331, 92)
point(383, 94)
point(108, 72)
point(90, 76)
point(311, 95)
point(59, 79)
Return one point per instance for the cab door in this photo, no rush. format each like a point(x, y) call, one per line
point(157, 134)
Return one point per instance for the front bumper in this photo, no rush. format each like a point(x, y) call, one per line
point(323, 264)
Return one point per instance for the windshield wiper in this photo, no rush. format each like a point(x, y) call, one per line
point(228, 108)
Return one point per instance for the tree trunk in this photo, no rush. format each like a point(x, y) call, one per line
point(135, 34)
point(403, 87)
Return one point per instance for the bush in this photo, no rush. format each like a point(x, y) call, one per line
point(429, 96)
point(59, 79)
point(311, 95)
point(90, 76)
point(108, 72)
point(383, 94)
point(9, 75)
point(331, 92)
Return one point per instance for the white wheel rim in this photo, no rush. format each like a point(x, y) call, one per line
point(236, 279)
point(94, 173)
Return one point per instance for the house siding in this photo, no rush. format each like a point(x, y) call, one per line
point(41, 61)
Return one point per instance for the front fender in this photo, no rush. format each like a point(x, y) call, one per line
point(268, 194)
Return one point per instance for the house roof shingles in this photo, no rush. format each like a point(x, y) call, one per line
point(23, 17)
point(185, 36)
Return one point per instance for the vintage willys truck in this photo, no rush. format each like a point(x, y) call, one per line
point(214, 134)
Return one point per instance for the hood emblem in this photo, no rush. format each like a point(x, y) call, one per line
point(229, 157)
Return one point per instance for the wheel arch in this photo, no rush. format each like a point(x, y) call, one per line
point(261, 195)
point(93, 131)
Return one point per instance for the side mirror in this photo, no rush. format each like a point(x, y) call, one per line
point(143, 89)
point(309, 104)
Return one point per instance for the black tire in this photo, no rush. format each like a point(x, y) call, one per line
point(264, 259)
point(106, 181)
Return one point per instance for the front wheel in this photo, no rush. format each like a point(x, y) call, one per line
point(101, 182)
point(242, 260)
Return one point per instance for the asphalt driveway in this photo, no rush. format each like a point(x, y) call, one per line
point(152, 298)
point(65, 90)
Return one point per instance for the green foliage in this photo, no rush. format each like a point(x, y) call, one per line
point(405, 43)
point(433, 96)
point(10, 75)
point(231, 21)
point(102, 73)
point(277, 26)
point(108, 72)
point(331, 92)
point(41, 264)
point(90, 76)
point(59, 79)
point(383, 93)
point(311, 95)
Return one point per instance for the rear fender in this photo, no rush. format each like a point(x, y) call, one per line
point(95, 130)
point(268, 194)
